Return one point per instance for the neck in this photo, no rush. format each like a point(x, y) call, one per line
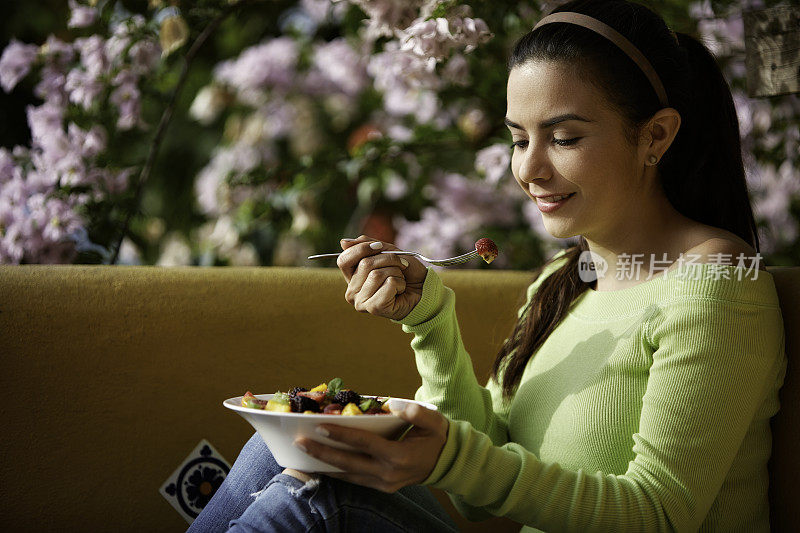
point(646, 240)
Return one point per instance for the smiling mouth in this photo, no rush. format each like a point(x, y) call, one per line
point(554, 199)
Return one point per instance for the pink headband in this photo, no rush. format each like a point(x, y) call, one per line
point(615, 37)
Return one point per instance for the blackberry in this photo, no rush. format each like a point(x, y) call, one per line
point(301, 404)
point(294, 391)
point(347, 396)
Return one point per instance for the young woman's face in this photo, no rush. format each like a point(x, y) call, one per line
point(568, 141)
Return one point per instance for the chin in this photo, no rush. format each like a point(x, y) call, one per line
point(559, 231)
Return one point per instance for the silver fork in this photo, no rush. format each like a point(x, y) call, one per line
point(450, 261)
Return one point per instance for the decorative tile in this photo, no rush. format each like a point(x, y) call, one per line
point(195, 481)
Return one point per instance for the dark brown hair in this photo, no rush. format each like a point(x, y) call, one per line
point(704, 161)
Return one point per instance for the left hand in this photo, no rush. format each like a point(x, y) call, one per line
point(383, 464)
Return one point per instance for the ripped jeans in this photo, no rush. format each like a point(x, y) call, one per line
point(257, 497)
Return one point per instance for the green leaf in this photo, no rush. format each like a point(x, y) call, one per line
point(368, 404)
point(334, 386)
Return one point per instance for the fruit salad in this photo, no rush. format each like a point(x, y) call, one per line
point(326, 398)
point(487, 249)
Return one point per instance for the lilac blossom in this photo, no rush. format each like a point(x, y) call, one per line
point(117, 44)
point(45, 122)
point(395, 68)
point(83, 88)
point(51, 88)
point(773, 191)
point(93, 54)
point(436, 234)
point(8, 167)
point(212, 190)
point(15, 63)
point(322, 10)
point(462, 208)
point(126, 98)
point(336, 66)
point(407, 82)
point(475, 201)
point(57, 57)
point(268, 65)
point(456, 70)
point(145, 56)
point(81, 15)
point(493, 162)
point(89, 144)
point(386, 16)
point(437, 38)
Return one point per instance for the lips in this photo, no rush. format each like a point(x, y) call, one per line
point(552, 198)
point(546, 204)
point(555, 198)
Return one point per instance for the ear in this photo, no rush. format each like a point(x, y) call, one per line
point(659, 132)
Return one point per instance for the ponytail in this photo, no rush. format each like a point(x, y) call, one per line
point(708, 151)
point(544, 312)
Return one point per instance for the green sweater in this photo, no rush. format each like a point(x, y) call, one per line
point(646, 409)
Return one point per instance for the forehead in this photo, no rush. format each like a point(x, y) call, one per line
point(540, 89)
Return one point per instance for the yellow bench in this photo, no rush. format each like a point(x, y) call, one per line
point(111, 375)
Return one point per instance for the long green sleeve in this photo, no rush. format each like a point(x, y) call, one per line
point(646, 409)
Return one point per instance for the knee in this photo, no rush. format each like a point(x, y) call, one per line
point(285, 504)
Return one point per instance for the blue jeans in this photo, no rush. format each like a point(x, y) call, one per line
point(257, 497)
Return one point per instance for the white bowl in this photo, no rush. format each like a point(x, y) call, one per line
point(279, 430)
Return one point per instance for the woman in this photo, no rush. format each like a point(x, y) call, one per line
point(634, 401)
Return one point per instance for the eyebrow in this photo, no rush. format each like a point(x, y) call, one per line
point(549, 122)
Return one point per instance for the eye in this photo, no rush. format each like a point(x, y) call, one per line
point(566, 142)
point(522, 144)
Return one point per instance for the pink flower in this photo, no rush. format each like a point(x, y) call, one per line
point(145, 55)
point(88, 144)
point(428, 38)
point(83, 88)
point(45, 122)
point(93, 54)
point(15, 63)
point(386, 16)
point(268, 65)
point(51, 87)
point(127, 99)
point(436, 38)
point(82, 16)
point(456, 71)
point(493, 162)
point(337, 66)
point(57, 53)
point(322, 10)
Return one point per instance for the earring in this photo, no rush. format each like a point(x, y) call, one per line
point(652, 159)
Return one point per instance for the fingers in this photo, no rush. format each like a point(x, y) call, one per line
point(343, 459)
point(364, 441)
point(378, 291)
point(420, 416)
point(360, 248)
point(370, 274)
point(384, 300)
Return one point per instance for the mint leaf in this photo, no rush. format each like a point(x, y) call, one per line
point(334, 386)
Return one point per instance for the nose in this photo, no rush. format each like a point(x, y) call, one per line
point(534, 164)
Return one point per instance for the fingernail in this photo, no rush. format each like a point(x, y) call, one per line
point(349, 240)
point(377, 245)
point(396, 405)
point(322, 431)
point(403, 262)
point(300, 446)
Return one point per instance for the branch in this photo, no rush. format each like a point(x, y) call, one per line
point(166, 117)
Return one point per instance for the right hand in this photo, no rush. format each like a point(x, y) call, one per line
point(380, 284)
